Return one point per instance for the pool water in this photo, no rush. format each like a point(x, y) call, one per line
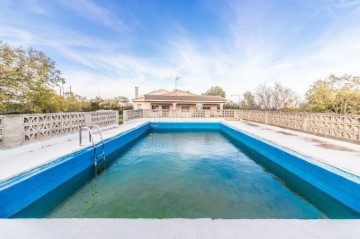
point(203, 174)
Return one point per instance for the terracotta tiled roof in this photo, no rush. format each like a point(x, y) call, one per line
point(158, 92)
point(196, 98)
point(180, 92)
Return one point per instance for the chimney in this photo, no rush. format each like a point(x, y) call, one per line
point(136, 92)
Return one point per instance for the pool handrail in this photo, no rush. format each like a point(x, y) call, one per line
point(91, 139)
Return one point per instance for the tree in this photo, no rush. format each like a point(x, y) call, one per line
point(282, 96)
point(263, 95)
point(109, 104)
point(275, 97)
point(27, 81)
point(215, 90)
point(117, 103)
point(40, 99)
point(340, 95)
point(231, 105)
point(248, 102)
point(319, 97)
point(94, 103)
point(74, 102)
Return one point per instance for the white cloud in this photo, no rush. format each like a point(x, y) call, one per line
point(253, 52)
point(96, 13)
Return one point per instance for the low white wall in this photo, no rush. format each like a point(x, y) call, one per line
point(345, 127)
point(19, 129)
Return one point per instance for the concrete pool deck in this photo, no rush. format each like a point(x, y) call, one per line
point(178, 228)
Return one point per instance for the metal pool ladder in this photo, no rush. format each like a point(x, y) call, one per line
point(99, 166)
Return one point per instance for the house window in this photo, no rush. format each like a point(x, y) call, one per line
point(165, 107)
point(154, 107)
point(139, 106)
point(206, 107)
point(185, 108)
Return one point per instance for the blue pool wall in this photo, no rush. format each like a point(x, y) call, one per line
point(184, 126)
point(338, 184)
point(23, 190)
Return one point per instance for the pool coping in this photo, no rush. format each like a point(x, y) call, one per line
point(178, 228)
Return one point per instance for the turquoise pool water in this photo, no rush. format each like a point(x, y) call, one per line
point(203, 174)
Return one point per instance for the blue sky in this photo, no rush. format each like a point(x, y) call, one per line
point(114, 45)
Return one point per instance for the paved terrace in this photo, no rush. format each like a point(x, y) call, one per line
point(335, 153)
point(178, 228)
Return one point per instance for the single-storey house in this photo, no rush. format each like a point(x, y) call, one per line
point(183, 101)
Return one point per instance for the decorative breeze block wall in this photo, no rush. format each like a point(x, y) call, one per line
point(1, 130)
point(20, 129)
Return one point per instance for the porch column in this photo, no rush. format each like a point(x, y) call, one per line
point(173, 111)
point(221, 106)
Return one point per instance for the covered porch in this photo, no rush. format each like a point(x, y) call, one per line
point(185, 106)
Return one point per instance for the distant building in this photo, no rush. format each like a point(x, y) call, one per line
point(176, 99)
point(122, 99)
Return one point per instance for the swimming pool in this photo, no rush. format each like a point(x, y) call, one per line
point(183, 170)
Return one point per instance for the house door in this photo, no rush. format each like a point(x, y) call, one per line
point(165, 110)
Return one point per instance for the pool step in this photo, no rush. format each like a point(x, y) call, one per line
point(100, 166)
point(100, 163)
point(99, 159)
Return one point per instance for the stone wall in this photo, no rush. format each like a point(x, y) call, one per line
point(288, 120)
point(339, 126)
point(19, 129)
point(1, 130)
point(132, 114)
point(346, 127)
